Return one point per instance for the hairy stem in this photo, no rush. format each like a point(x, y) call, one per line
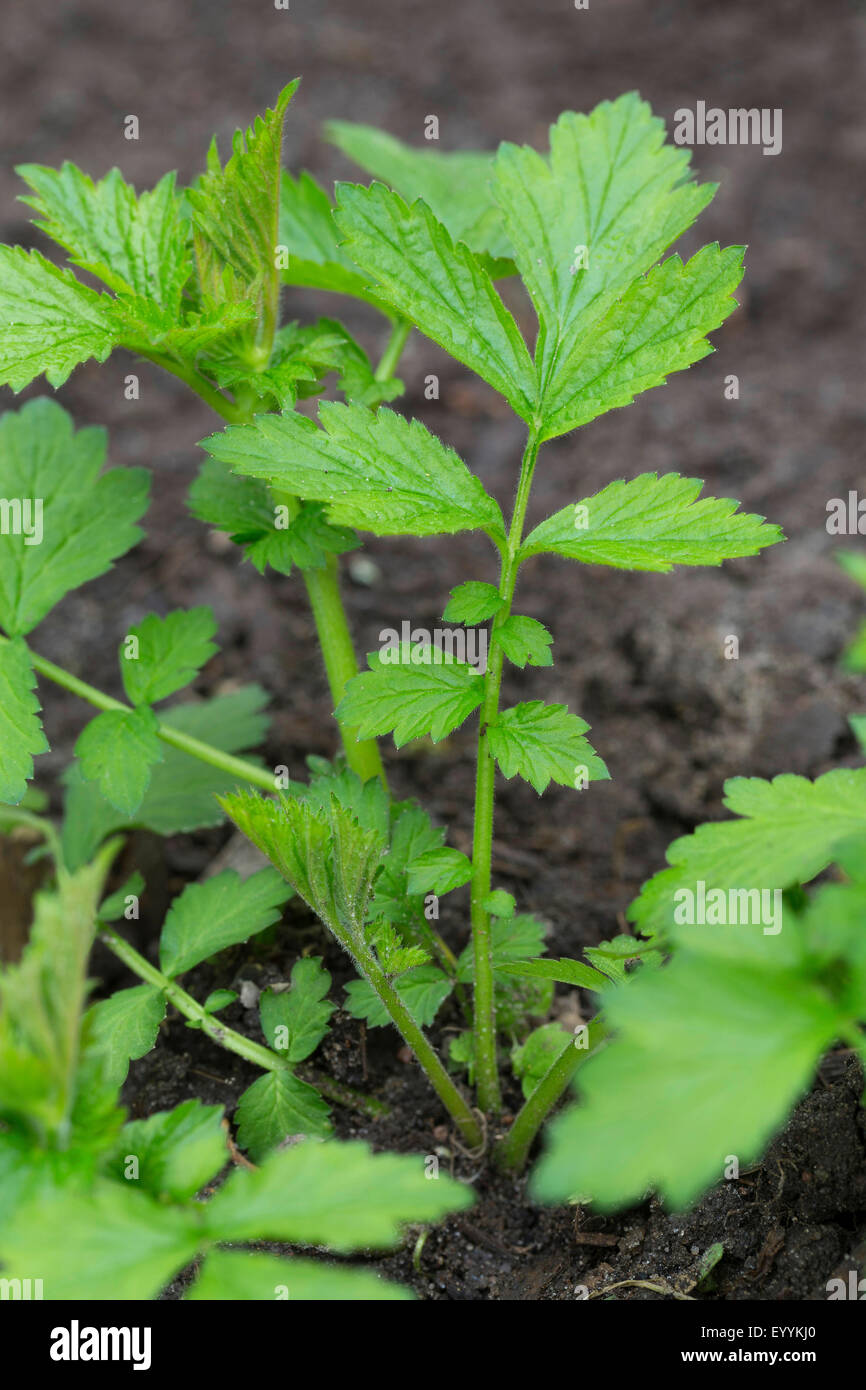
point(482, 844)
point(451, 1097)
point(512, 1152)
point(227, 1037)
point(394, 350)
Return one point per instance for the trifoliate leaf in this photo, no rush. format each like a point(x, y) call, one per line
point(117, 750)
point(424, 692)
point(295, 1020)
point(309, 233)
point(278, 1106)
point(126, 1026)
point(21, 733)
point(183, 790)
point(439, 871)
point(51, 322)
point(473, 602)
point(219, 912)
point(789, 830)
point(71, 521)
point(455, 186)
point(652, 523)
point(533, 1059)
point(591, 218)
point(129, 1245)
point(338, 1195)
point(648, 1118)
point(238, 1276)
point(442, 288)
point(166, 654)
point(423, 990)
point(235, 213)
point(544, 743)
point(177, 1151)
point(659, 326)
point(525, 641)
point(377, 471)
point(138, 244)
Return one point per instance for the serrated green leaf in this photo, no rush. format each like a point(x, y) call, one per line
point(236, 1276)
point(51, 322)
point(117, 750)
point(439, 871)
point(309, 232)
point(409, 697)
point(614, 957)
point(139, 244)
point(84, 519)
point(327, 857)
point(525, 641)
point(118, 1243)
point(457, 187)
point(394, 957)
point(235, 212)
point(651, 523)
point(533, 1059)
point(544, 743)
point(183, 790)
point(301, 1013)
point(473, 602)
point(411, 836)
point(218, 912)
point(338, 1195)
point(789, 830)
point(423, 990)
point(709, 1057)
point(178, 1150)
point(657, 327)
point(610, 189)
point(564, 972)
point(277, 1106)
point(377, 471)
point(126, 1027)
point(170, 651)
point(442, 288)
point(21, 733)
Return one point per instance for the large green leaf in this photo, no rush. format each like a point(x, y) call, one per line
point(176, 1151)
point(424, 692)
point(442, 288)
point(294, 1021)
point(651, 523)
point(309, 232)
point(276, 1107)
point(125, 1026)
point(51, 322)
point(216, 913)
point(80, 519)
point(544, 743)
point(377, 471)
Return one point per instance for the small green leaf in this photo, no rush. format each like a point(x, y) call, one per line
point(533, 1059)
point(219, 999)
point(169, 653)
point(278, 1106)
point(178, 1150)
point(565, 972)
point(651, 523)
point(423, 990)
point(394, 956)
point(442, 288)
point(424, 691)
point(237, 1276)
point(115, 905)
point(338, 1195)
point(126, 1027)
point(81, 518)
point(499, 903)
point(439, 871)
point(376, 470)
point(219, 912)
point(544, 743)
point(473, 602)
point(301, 1013)
point(21, 733)
point(524, 641)
point(117, 750)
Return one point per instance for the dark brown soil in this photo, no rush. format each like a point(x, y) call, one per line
point(640, 657)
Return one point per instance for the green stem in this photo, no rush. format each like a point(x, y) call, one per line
point(394, 350)
point(224, 1036)
point(229, 411)
point(453, 1100)
point(205, 752)
point(323, 587)
point(512, 1152)
point(482, 844)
